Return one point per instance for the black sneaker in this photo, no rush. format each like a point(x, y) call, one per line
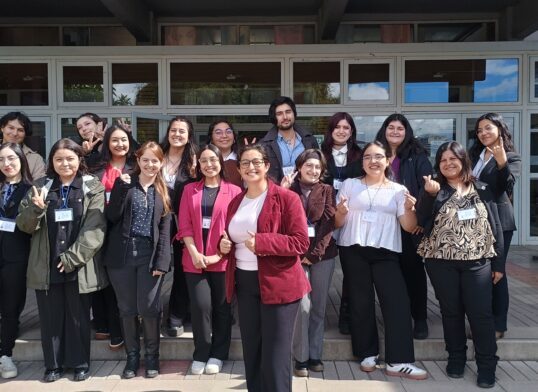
point(301, 369)
point(52, 375)
point(315, 365)
point(485, 380)
point(175, 331)
point(116, 343)
point(420, 331)
point(455, 369)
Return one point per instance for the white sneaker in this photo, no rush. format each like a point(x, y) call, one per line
point(197, 367)
point(7, 367)
point(213, 366)
point(407, 370)
point(369, 364)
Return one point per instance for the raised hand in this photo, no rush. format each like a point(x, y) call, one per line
point(245, 140)
point(125, 125)
point(38, 197)
point(410, 201)
point(431, 186)
point(342, 206)
point(251, 242)
point(288, 180)
point(126, 178)
point(225, 245)
point(498, 152)
point(88, 145)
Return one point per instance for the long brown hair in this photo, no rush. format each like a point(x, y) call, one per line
point(160, 185)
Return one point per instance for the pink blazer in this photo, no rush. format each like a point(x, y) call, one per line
point(190, 222)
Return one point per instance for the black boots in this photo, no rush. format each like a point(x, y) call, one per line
point(131, 336)
point(152, 336)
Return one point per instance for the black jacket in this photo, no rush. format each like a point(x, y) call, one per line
point(428, 207)
point(501, 183)
point(15, 246)
point(351, 170)
point(273, 151)
point(413, 167)
point(119, 214)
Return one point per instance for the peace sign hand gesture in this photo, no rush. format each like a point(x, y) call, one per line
point(498, 152)
point(431, 186)
point(288, 180)
point(38, 197)
point(88, 145)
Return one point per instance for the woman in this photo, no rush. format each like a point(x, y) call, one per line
point(179, 169)
point(16, 127)
point(318, 262)
point(496, 163)
point(409, 163)
point(222, 134)
point(64, 213)
point(90, 129)
point(15, 181)
point(115, 159)
point(267, 226)
point(342, 153)
point(463, 250)
point(203, 216)
point(138, 254)
point(370, 211)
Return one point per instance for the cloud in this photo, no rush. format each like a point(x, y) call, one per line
point(501, 67)
point(508, 87)
point(368, 91)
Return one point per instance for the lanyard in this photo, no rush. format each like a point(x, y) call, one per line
point(206, 198)
point(65, 194)
point(370, 200)
point(7, 194)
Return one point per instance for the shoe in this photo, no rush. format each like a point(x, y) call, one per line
point(151, 363)
point(485, 380)
point(102, 334)
point(132, 365)
point(301, 369)
point(7, 367)
point(455, 369)
point(213, 366)
point(420, 331)
point(369, 364)
point(115, 343)
point(52, 375)
point(81, 374)
point(406, 370)
point(315, 365)
point(197, 367)
point(174, 332)
point(152, 336)
point(499, 335)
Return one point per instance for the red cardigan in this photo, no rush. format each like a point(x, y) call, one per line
point(281, 237)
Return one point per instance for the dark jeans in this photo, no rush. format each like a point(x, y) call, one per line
point(64, 317)
point(211, 315)
point(500, 292)
point(105, 312)
point(415, 277)
point(380, 268)
point(178, 307)
point(12, 300)
point(266, 334)
point(464, 287)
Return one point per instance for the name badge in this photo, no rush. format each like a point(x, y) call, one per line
point(63, 215)
point(369, 216)
point(466, 214)
point(107, 196)
point(311, 231)
point(7, 225)
point(337, 184)
point(206, 222)
point(288, 170)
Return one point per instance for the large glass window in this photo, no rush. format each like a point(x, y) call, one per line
point(316, 82)
point(456, 81)
point(135, 84)
point(456, 32)
point(97, 36)
point(38, 140)
point(367, 127)
point(68, 127)
point(24, 84)
point(433, 131)
point(29, 36)
point(83, 84)
point(368, 82)
point(224, 83)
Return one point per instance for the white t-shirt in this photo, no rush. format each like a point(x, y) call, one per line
point(373, 214)
point(245, 220)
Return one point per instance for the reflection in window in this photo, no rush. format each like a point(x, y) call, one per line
point(533, 208)
point(135, 84)
point(146, 129)
point(68, 127)
point(24, 84)
point(83, 84)
point(97, 36)
point(479, 81)
point(433, 132)
point(315, 124)
point(369, 82)
point(536, 79)
point(316, 83)
point(224, 83)
point(38, 140)
point(534, 144)
point(367, 127)
point(29, 36)
point(456, 32)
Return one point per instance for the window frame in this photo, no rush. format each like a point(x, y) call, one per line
point(107, 86)
point(392, 82)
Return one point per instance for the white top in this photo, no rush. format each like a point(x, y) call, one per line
point(169, 179)
point(231, 155)
point(481, 163)
point(373, 214)
point(340, 156)
point(245, 220)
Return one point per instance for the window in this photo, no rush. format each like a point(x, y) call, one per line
point(97, 36)
point(369, 82)
point(316, 82)
point(29, 36)
point(24, 84)
point(83, 84)
point(433, 130)
point(456, 32)
point(224, 83)
point(459, 81)
point(135, 84)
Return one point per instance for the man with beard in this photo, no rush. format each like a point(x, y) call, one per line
point(286, 140)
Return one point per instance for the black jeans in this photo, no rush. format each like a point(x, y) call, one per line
point(464, 287)
point(105, 312)
point(500, 292)
point(12, 300)
point(266, 334)
point(415, 277)
point(178, 307)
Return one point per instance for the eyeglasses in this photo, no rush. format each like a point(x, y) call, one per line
point(245, 163)
point(205, 161)
point(312, 166)
point(376, 157)
point(8, 160)
point(487, 129)
point(223, 132)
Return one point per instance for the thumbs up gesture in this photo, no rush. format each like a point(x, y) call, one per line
point(431, 186)
point(251, 242)
point(225, 245)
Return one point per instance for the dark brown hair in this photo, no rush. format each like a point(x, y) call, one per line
point(26, 176)
point(311, 153)
point(66, 144)
point(460, 153)
point(216, 151)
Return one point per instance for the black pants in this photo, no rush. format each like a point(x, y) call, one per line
point(12, 300)
point(178, 307)
point(64, 317)
point(211, 315)
point(415, 277)
point(266, 334)
point(464, 287)
point(500, 292)
point(105, 312)
point(380, 268)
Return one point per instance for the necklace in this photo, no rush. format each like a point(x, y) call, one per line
point(370, 199)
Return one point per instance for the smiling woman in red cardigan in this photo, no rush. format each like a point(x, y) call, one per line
point(268, 232)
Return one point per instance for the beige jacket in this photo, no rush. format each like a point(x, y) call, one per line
point(36, 164)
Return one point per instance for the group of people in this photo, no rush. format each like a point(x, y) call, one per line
point(260, 226)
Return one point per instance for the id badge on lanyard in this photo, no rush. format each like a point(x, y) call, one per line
point(369, 216)
point(63, 215)
point(7, 225)
point(206, 222)
point(467, 214)
point(337, 184)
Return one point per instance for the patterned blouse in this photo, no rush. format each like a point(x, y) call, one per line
point(461, 231)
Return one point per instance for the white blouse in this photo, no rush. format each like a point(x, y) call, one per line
point(373, 215)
